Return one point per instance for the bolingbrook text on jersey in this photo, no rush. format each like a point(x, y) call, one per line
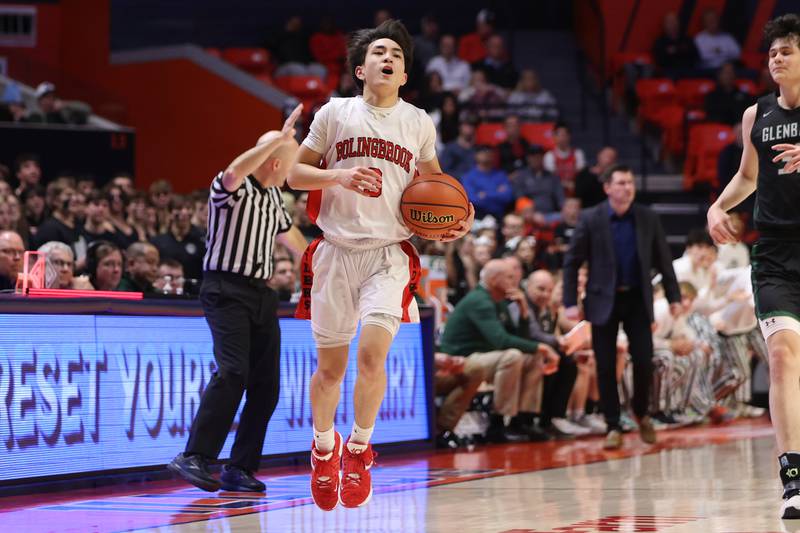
point(377, 148)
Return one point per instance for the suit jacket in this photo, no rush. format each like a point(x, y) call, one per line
point(592, 242)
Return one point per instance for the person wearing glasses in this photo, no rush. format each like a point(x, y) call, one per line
point(11, 253)
point(61, 262)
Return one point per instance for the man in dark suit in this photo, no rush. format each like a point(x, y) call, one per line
point(622, 243)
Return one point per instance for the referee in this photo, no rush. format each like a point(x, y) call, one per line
point(246, 212)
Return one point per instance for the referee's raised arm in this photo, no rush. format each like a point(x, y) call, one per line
point(253, 158)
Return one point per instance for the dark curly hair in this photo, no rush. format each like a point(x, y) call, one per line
point(785, 26)
point(361, 39)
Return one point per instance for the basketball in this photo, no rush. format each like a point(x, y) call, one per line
point(433, 204)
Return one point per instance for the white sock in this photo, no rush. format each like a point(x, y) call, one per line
point(577, 414)
point(324, 440)
point(359, 438)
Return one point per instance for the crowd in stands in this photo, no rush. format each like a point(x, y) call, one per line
point(49, 108)
point(496, 292)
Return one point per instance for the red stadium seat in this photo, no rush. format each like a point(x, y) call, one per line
point(253, 60)
point(540, 133)
point(672, 120)
point(754, 60)
point(490, 134)
point(706, 141)
point(213, 52)
point(654, 94)
point(746, 86)
point(311, 90)
point(692, 92)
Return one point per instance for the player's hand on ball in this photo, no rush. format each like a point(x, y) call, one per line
point(790, 155)
point(720, 226)
point(359, 179)
point(463, 228)
point(288, 131)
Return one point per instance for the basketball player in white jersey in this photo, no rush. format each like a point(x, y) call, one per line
point(359, 156)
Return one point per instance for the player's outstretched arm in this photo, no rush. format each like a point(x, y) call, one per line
point(741, 186)
point(249, 161)
point(306, 175)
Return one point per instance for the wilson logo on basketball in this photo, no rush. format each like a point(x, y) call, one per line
point(427, 217)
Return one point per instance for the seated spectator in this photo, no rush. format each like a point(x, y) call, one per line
point(481, 96)
point(292, 50)
point(53, 110)
point(5, 187)
point(535, 182)
point(381, 16)
point(726, 103)
point(301, 221)
point(16, 221)
point(458, 156)
point(118, 201)
point(524, 249)
point(283, 280)
point(447, 121)
point(61, 260)
point(86, 185)
point(479, 328)
point(472, 47)
point(170, 277)
point(141, 268)
point(499, 70)
point(11, 254)
point(570, 213)
point(513, 149)
point(458, 383)
point(558, 385)
point(532, 101)
point(697, 267)
point(426, 42)
point(28, 171)
point(673, 52)
point(588, 185)
point(328, 46)
point(200, 209)
point(488, 187)
point(124, 181)
point(455, 72)
point(5, 214)
point(98, 226)
point(511, 231)
point(63, 225)
point(104, 265)
point(714, 46)
point(432, 94)
point(564, 161)
point(142, 217)
point(12, 105)
point(183, 241)
point(160, 196)
point(34, 208)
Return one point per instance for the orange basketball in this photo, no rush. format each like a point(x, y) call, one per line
point(433, 204)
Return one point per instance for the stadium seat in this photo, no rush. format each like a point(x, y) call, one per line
point(213, 52)
point(706, 141)
point(654, 94)
point(311, 90)
point(754, 60)
point(490, 134)
point(746, 86)
point(253, 60)
point(692, 92)
point(672, 120)
point(540, 133)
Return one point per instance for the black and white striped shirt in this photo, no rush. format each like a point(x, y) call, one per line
point(242, 226)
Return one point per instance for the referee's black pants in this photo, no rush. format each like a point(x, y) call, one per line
point(242, 315)
point(629, 309)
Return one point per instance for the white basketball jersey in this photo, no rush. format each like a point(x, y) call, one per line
point(350, 133)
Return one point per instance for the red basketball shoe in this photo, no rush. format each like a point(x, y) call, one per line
point(325, 475)
point(356, 479)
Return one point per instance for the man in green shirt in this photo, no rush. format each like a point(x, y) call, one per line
point(480, 329)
